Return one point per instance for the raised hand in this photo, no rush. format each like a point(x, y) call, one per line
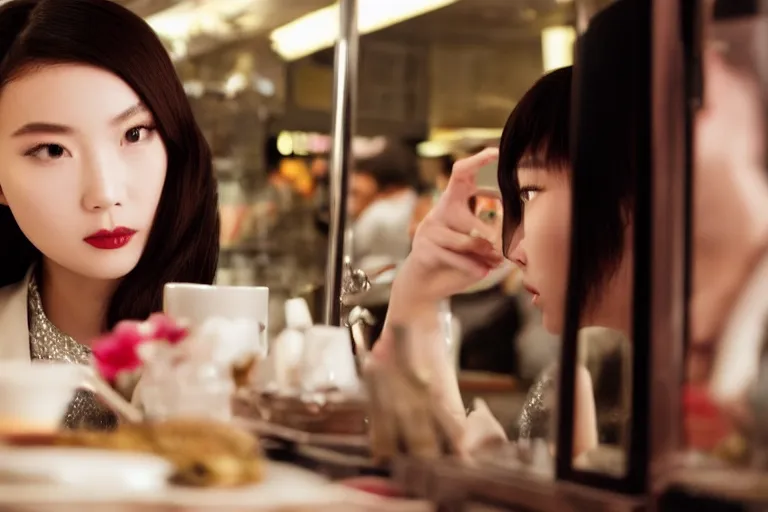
point(452, 248)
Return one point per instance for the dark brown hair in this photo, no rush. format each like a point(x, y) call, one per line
point(183, 245)
point(611, 144)
point(537, 134)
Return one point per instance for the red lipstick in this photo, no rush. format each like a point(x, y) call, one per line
point(109, 240)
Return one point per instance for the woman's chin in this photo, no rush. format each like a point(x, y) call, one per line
point(552, 325)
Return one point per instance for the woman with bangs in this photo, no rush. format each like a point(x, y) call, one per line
point(453, 249)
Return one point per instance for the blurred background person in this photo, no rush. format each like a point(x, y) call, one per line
point(381, 202)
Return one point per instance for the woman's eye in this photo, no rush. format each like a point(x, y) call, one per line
point(487, 215)
point(138, 134)
point(527, 194)
point(47, 152)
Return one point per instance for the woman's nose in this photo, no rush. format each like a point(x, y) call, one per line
point(515, 249)
point(518, 257)
point(103, 187)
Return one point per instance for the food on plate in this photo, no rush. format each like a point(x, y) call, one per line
point(204, 453)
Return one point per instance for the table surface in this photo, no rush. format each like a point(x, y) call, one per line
point(285, 487)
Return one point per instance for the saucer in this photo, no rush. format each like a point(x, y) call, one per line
point(77, 467)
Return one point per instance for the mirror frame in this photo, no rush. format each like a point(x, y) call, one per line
point(661, 246)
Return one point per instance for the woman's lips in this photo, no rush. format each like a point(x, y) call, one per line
point(110, 240)
point(534, 293)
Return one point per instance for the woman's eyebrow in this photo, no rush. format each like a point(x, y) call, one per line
point(138, 108)
point(43, 128)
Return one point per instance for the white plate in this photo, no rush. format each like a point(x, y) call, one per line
point(78, 468)
point(283, 486)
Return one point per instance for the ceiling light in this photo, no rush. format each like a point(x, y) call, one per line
point(557, 47)
point(197, 17)
point(456, 134)
point(194, 88)
point(320, 29)
point(433, 148)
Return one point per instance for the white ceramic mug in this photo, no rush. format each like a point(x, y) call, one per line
point(328, 361)
point(196, 303)
point(34, 396)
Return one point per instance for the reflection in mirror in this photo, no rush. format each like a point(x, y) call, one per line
point(726, 404)
point(610, 154)
point(487, 207)
point(534, 179)
point(505, 320)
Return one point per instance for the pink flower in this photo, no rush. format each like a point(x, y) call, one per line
point(118, 352)
point(115, 354)
point(164, 328)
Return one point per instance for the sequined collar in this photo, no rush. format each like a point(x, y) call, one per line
point(46, 341)
point(49, 343)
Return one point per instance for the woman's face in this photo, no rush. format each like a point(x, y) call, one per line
point(541, 245)
point(83, 167)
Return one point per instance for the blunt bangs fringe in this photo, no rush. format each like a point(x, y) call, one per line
point(536, 136)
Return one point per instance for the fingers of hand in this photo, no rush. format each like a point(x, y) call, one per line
point(470, 265)
point(459, 218)
point(470, 165)
point(467, 245)
point(482, 429)
point(462, 184)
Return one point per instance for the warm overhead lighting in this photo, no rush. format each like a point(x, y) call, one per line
point(433, 148)
point(557, 47)
point(454, 134)
point(235, 84)
point(178, 49)
point(285, 144)
point(317, 30)
point(443, 140)
point(195, 17)
point(194, 88)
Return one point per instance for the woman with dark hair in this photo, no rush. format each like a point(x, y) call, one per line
point(106, 187)
point(553, 201)
point(451, 252)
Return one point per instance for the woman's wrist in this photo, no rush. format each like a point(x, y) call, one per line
point(406, 302)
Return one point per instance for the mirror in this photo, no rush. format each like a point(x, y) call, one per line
point(725, 393)
point(487, 206)
point(611, 165)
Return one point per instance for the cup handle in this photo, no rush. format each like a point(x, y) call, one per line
point(112, 398)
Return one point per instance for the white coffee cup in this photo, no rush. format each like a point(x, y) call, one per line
point(196, 303)
point(328, 361)
point(34, 396)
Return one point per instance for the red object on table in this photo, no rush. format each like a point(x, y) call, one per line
point(374, 485)
point(705, 425)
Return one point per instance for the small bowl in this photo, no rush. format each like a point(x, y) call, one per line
point(34, 396)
